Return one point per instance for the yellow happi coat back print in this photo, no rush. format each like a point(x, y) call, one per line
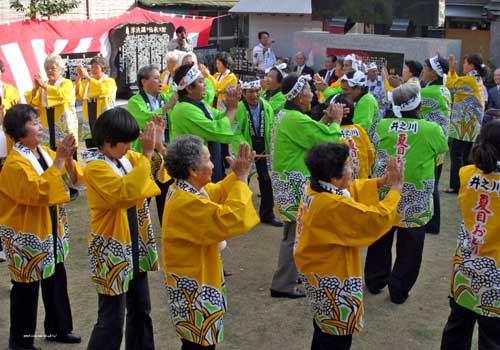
point(475, 280)
point(193, 227)
point(109, 195)
point(26, 225)
point(331, 229)
point(361, 149)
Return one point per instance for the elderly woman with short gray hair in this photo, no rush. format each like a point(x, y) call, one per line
point(198, 216)
point(55, 99)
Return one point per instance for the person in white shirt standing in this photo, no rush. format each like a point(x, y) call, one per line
point(262, 55)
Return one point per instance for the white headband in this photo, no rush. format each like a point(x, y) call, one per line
point(250, 84)
point(297, 87)
point(409, 105)
point(436, 66)
point(188, 79)
point(370, 66)
point(358, 79)
point(280, 67)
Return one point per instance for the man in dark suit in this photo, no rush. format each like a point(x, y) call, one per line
point(494, 92)
point(301, 68)
point(328, 74)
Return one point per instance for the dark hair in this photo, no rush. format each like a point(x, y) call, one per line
point(182, 155)
point(486, 151)
point(2, 67)
point(288, 83)
point(279, 76)
point(180, 29)
point(102, 62)
point(262, 33)
point(477, 61)
point(332, 58)
point(414, 67)
point(444, 64)
point(180, 73)
point(16, 118)
point(225, 59)
point(327, 160)
point(113, 126)
point(343, 99)
point(145, 73)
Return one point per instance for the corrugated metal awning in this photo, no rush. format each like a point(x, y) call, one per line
point(210, 3)
point(292, 7)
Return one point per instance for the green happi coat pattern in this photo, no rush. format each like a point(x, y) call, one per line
point(277, 101)
point(294, 133)
point(417, 143)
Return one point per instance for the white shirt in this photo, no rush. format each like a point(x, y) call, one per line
point(261, 60)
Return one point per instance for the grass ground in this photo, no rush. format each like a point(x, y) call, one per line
point(255, 321)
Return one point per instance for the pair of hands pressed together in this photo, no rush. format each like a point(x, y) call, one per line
point(394, 174)
point(152, 136)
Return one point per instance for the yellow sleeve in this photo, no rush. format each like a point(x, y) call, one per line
point(113, 191)
point(10, 97)
point(228, 81)
point(357, 224)
point(218, 191)
point(22, 184)
point(217, 222)
point(102, 89)
point(370, 150)
point(57, 95)
point(34, 100)
point(80, 89)
point(387, 86)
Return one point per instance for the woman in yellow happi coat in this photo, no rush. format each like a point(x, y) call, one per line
point(222, 80)
point(122, 246)
point(55, 99)
point(198, 216)
point(97, 92)
point(34, 228)
point(336, 218)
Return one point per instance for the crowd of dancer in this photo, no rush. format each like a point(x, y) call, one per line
point(346, 158)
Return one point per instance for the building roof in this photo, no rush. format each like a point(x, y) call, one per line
point(293, 7)
point(209, 3)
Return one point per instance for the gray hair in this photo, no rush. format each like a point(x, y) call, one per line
point(145, 73)
point(102, 62)
point(182, 155)
point(55, 59)
point(189, 54)
point(300, 53)
point(404, 93)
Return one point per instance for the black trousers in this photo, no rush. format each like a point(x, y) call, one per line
point(266, 210)
point(434, 225)
point(457, 334)
point(108, 331)
point(160, 199)
point(459, 156)
point(409, 249)
point(187, 345)
point(218, 172)
point(24, 307)
point(324, 341)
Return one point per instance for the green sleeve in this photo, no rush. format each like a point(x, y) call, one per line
point(139, 110)
point(364, 112)
point(269, 124)
point(439, 142)
point(307, 132)
point(277, 102)
point(240, 127)
point(189, 119)
point(331, 91)
point(209, 92)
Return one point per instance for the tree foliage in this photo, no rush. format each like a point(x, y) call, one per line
point(44, 8)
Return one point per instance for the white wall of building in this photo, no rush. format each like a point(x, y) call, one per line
point(281, 28)
point(97, 9)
